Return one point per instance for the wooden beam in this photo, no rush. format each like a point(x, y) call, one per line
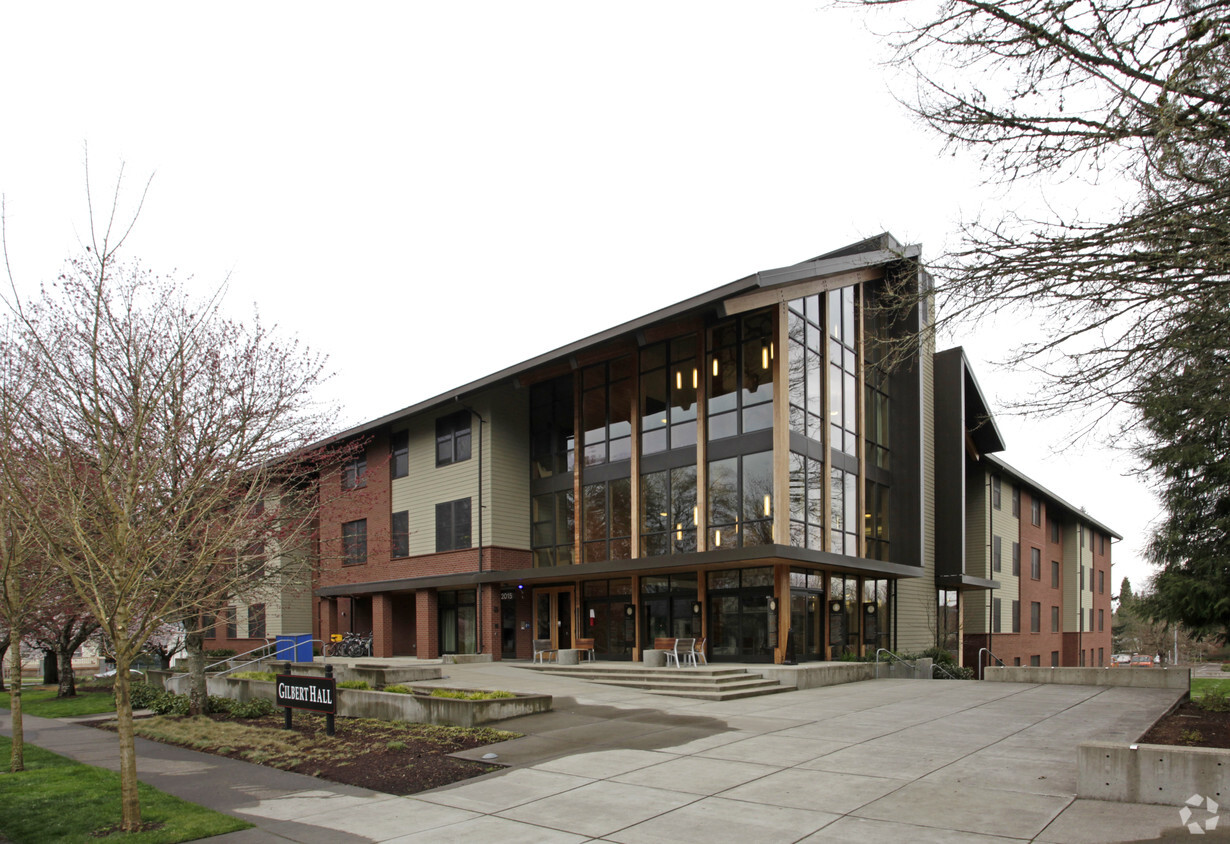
point(797, 290)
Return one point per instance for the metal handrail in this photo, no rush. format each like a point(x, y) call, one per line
point(268, 644)
point(934, 664)
point(1002, 664)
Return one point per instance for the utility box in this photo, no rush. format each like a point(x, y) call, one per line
point(295, 647)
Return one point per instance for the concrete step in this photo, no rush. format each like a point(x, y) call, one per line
point(700, 683)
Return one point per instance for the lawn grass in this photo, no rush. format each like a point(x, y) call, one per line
point(1202, 685)
point(58, 800)
point(41, 702)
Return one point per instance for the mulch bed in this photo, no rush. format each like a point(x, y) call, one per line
point(378, 755)
point(1190, 726)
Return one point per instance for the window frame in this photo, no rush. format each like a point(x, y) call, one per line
point(1035, 616)
point(997, 492)
point(1035, 564)
point(452, 539)
point(399, 534)
point(257, 621)
point(454, 430)
point(354, 473)
point(1035, 511)
point(399, 454)
point(354, 542)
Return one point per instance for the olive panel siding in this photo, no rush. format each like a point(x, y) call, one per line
point(427, 485)
point(916, 596)
point(508, 470)
point(1008, 528)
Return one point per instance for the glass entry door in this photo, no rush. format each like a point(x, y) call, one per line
point(553, 615)
point(807, 624)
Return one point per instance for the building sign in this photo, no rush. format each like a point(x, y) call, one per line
point(314, 694)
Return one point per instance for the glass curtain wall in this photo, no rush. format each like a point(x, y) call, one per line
point(742, 627)
point(668, 604)
point(670, 380)
point(605, 617)
point(740, 495)
point(741, 376)
point(552, 458)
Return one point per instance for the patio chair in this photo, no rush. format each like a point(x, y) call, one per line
point(698, 653)
point(685, 649)
point(587, 647)
point(544, 652)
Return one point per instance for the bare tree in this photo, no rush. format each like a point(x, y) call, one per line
point(166, 439)
point(60, 627)
point(1129, 95)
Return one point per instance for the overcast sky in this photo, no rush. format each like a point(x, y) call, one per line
point(431, 192)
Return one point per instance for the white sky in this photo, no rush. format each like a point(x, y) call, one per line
point(429, 192)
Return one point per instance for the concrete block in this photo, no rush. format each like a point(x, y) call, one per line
point(1131, 678)
point(569, 656)
point(652, 658)
point(1151, 773)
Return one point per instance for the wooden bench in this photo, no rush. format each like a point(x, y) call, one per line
point(586, 646)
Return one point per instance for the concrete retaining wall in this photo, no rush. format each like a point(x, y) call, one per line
point(1132, 678)
point(835, 673)
point(1151, 773)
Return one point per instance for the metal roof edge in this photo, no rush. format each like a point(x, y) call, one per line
point(1016, 473)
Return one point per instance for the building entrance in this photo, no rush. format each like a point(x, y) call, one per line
point(553, 615)
point(742, 625)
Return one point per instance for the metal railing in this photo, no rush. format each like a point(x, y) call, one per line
point(934, 665)
point(987, 651)
point(270, 647)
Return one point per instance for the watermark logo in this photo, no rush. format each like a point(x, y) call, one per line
point(1187, 815)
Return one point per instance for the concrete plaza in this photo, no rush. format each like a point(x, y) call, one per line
point(884, 760)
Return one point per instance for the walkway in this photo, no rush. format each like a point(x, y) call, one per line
point(886, 760)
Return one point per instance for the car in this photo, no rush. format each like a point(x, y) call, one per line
point(1120, 660)
point(132, 672)
point(1141, 661)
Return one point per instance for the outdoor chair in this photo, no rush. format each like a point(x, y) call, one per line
point(685, 649)
point(698, 653)
point(544, 652)
point(586, 646)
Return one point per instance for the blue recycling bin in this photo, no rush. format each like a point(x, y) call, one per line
point(296, 647)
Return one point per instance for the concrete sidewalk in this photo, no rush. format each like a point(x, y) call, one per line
point(885, 760)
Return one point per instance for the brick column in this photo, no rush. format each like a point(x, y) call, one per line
point(489, 620)
point(382, 625)
point(326, 619)
point(426, 624)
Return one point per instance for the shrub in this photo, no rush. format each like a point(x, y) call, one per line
point(1225, 666)
point(169, 704)
point(253, 675)
point(459, 694)
point(1191, 737)
point(1214, 700)
point(218, 653)
point(254, 708)
point(353, 684)
point(142, 694)
point(399, 689)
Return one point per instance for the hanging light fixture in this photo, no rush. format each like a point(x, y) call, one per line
point(767, 509)
point(715, 366)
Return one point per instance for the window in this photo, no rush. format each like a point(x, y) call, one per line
point(1035, 510)
point(740, 376)
point(1090, 627)
point(996, 492)
point(1016, 559)
point(807, 479)
point(1080, 536)
point(1100, 619)
point(606, 518)
point(1101, 543)
point(1054, 619)
point(354, 542)
point(401, 534)
point(1082, 568)
point(1054, 659)
point(1016, 661)
point(740, 492)
point(256, 621)
point(1035, 564)
point(400, 444)
point(995, 616)
point(670, 376)
point(606, 411)
point(1054, 530)
point(669, 512)
point(1101, 656)
point(553, 528)
point(354, 474)
point(1016, 616)
point(1054, 574)
point(453, 525)
point(1035, 617)
point(1101, 582)
point(453, 438)
point(1035, 661)
point(1016, 501)
point(997, 554)
point(228, 618)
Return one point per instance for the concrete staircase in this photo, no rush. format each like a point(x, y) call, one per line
point(705, 682)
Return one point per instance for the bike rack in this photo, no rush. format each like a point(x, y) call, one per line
point(1002, 664)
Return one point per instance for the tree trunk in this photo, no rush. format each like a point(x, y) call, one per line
point(17, 758)
point(51, 676)
point(194, 647)
point(4, 647)
point(68, 682)
point(130, 805)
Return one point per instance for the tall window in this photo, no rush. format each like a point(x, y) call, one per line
point(997, 554)
point(453, 438)
point(458, 621)
point(1054, 530)
point(806, 502)
point(668, 512)
point(1054, 619)
point(806, 331)
point(230, 619)
point(354, 542)
point(741, 501)
point(256, 621)
point(400, 534)
point(553, 528)
point(453, 525)
point(843, 371)
point(875, 520)
point(741, 376)
point(996, 491)
point(876, 395)
point(995, 616)
point(606, 411)
point(1016, 501)
point(354, 474)
point(843, 512)
point(1016, 616)
point(1035, 510)
point(400, 445)
point(1054, 574)
point(552, 430)
point(1035, 563)
point(1035, 617)
point(670, 377)
point(1016, 559)
point(1101, 582)
point(607, 520)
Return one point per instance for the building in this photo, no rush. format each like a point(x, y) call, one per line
point(744, 467)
